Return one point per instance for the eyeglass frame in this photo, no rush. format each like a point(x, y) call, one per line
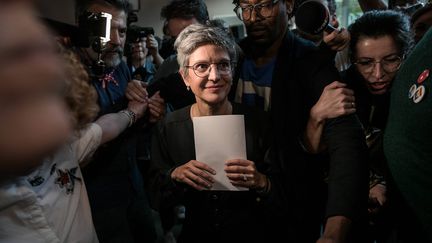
point(374, 62)
point(257, 7)
point(228, 72)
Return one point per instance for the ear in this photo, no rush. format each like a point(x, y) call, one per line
point(184, 75)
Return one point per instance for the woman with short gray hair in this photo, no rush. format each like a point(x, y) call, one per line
point(206, 56)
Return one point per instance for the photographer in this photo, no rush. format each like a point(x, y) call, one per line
point(142, 53)
point(113, 178)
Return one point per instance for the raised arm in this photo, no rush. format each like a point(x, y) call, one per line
point(335, 100)
point(115, 123)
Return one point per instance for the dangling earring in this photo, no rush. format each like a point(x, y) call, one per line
point(188, 88)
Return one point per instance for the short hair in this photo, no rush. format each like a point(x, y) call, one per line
point(379, 23)
point(197, 35)
point(81, 6)
point(186, 9)
point(236, 2)
point(331, 5)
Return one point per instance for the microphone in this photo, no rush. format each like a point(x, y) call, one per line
point(313, 18)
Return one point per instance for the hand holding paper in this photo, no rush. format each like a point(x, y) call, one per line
point(217, 140)
point(196, 174)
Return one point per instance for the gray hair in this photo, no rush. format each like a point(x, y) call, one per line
point(197, 35)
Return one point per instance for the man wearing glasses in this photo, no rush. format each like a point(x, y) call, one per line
point(285, 75)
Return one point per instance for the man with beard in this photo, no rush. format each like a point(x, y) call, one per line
point(113, 179)
point(285, 75)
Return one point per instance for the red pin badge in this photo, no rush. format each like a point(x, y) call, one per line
point(423, 76)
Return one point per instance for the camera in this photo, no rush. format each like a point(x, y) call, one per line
point(97, 27)
point(97, 30)
point(135, 33)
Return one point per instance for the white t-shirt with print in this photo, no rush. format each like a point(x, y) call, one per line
point(51, 203)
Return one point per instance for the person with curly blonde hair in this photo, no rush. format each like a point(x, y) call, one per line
point(51, 204)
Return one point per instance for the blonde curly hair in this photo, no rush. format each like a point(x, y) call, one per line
point(80, 96)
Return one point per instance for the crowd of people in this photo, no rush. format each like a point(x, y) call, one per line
point(98, 143)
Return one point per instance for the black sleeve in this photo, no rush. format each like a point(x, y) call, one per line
point(348, 156)
point(348, 168)
point(163, 191)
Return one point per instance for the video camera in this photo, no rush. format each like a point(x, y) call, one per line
point(94, 31)
point(135, 33)
point(96, 28)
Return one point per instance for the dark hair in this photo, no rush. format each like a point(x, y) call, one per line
point(419, 12)
point(379, 23)
point(331, 5)
point(186, 9)
point(236, 2)
point(81, 6)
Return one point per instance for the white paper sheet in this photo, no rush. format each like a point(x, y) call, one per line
point(218, 139)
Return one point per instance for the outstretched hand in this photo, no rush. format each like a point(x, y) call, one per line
point(136, 90)
point(157, 107)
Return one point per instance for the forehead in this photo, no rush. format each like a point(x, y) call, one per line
point(253, 1)
point(18, 26)
point(376, 47)
point(209, 52)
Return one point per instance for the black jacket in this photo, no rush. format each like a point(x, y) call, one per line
point(301, 72)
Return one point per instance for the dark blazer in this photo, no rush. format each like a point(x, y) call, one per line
point(300, 74)
point(211, 216)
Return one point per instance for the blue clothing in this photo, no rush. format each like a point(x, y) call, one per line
point(111, 89)
point(298, 79)
point(114, 182)
point(254, 85)
point(144, 73)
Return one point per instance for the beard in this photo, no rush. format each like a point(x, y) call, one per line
point(112, 56)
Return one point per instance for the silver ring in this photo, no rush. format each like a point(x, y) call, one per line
point(353, 104)
point(244, 177)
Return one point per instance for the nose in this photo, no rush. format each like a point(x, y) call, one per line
point(253, 14)
point(378, 70)
point(115, 38)
point(213, 73)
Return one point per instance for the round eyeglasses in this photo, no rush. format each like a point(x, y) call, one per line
point(389, 64)
point(202, 69)
point(264, 10)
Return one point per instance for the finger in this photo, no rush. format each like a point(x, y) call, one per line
point(239, 169)
point(347, 92)
point(154, 109)
point(203, 166)
point(241, 162)
point(334, 85)
point(130, 95)
point(241, 176)
point(199, 177)
point(194, 184)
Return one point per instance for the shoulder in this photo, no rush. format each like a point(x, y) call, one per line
point(177, 116)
